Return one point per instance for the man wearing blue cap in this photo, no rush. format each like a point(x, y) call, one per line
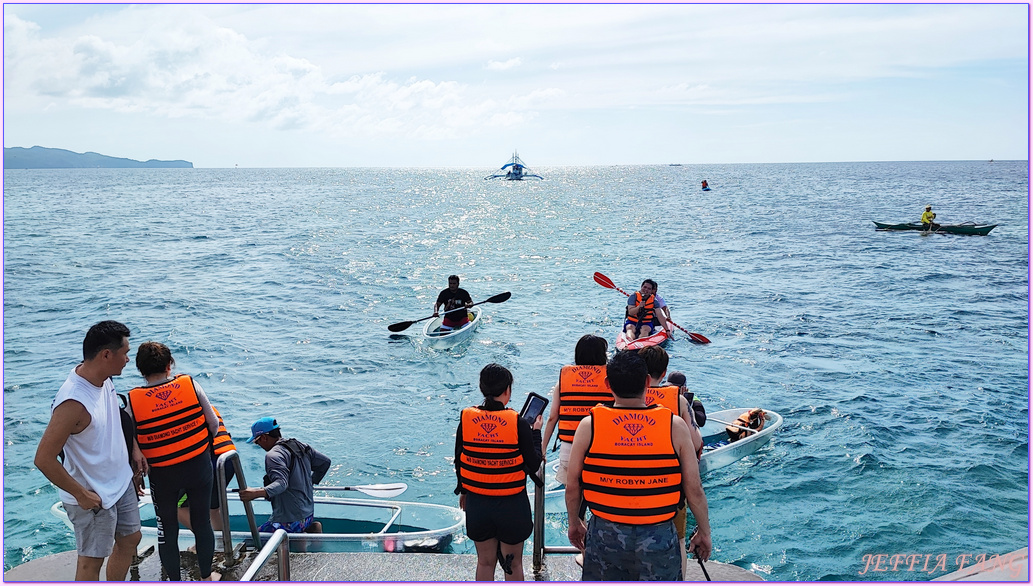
point(291, 469)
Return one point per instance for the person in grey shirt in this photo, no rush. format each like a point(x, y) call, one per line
point(291, 469)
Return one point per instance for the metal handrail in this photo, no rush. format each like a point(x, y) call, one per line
point(280, 543)
point(220, 473)
point(538, 547)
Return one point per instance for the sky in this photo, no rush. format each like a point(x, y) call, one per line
point(454, 85)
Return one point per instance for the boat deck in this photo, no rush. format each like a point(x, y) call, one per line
point(356, 567)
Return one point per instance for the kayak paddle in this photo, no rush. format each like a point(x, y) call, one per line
point(384, 491)
point(404, 325)
point(606, 282)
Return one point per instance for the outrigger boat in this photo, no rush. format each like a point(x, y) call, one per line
point(349, 524)
point(718, 451)
point(967, 228)
point(514, 170)
point(433, 337)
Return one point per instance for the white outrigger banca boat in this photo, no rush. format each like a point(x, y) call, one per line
point(514, 170)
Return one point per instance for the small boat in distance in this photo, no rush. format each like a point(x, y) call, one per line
point(968, 228)
point(514, 170)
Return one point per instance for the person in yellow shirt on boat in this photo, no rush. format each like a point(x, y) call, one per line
point(927, 219)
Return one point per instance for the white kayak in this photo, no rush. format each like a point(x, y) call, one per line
point(349, 524)
point(433, 337)
point(718, 451)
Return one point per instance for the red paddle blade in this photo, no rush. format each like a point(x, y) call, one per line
point(604, 281)
point(698, 338)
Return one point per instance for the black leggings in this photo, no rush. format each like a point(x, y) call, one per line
point(167, 484)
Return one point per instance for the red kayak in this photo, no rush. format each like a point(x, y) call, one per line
point(657, 338)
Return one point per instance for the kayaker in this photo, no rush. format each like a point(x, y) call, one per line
point(580, 388)
point(495, 450)
point(705, 185)
point(927, 219)
point(453, 298)
point(175, 425)
point(631, 533)
point(291, 470)
point(641, 310)
point(661, 305)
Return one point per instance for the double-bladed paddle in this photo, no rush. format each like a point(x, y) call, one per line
point(606, 282)
point(404, 325)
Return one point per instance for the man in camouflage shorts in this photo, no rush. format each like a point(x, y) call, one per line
point(634, 464)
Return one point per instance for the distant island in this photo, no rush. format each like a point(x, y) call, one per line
point(45, 158)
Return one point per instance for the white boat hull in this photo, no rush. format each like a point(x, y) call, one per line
point(435, 340)
point(721, 453)
point(349, 524)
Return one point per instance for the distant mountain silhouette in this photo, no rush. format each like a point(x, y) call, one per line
point(44, 158)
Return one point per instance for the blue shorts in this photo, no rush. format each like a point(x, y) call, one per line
point(292, 527)
point(628, 322)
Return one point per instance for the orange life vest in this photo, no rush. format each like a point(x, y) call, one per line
point(170, 424)
point(490, 462)
point(222, 442)
point(632, 474)
point(645, 315)
point(752, 419)
point(665, 397)
point(581, 388)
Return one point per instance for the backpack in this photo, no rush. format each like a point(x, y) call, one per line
point(296, 450)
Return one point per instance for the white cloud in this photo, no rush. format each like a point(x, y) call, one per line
point(355, 73)
point(503, 65)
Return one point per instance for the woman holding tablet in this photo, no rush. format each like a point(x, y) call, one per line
point(495, 451)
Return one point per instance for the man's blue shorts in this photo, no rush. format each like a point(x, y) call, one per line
point(628, 322)
point(292, 527)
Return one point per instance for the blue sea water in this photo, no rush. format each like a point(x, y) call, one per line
point(899, 360)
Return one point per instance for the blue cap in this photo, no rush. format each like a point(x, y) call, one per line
point(261, 427)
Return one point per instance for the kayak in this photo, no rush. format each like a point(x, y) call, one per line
point(658, 338)
point(967, 228)
point(434, 338)
point(706, 189)
point(718, 451)
point(349, 524)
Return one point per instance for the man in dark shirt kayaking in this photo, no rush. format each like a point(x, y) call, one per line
point(453, 298)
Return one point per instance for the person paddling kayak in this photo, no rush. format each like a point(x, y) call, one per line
point(927, 219)
point(453, 298)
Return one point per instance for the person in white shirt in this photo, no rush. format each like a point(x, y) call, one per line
point(95, 478)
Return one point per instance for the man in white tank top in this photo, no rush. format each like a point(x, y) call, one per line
point(95, 481)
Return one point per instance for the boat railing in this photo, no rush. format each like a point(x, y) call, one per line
point(538, 547)
point(220, 475)
point(279, 543)
point(396, 510)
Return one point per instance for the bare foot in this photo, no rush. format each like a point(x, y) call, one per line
point(192, 549)
point(214, 577)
